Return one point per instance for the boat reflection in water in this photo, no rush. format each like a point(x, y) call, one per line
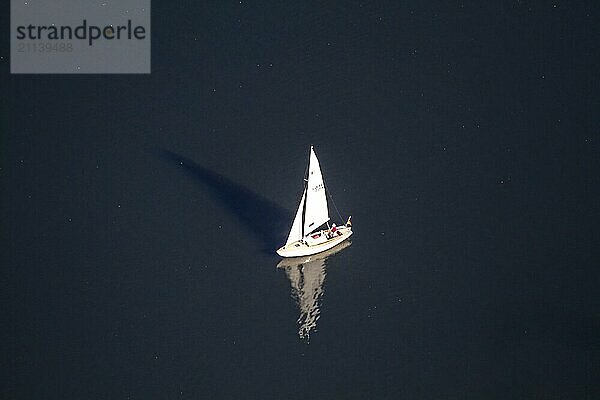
point(307, 275)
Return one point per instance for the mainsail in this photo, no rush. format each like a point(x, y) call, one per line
point(316, 213)
point(312, 211)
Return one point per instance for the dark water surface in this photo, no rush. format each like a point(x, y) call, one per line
point(140, 214)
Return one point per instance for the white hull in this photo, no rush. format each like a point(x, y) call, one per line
point(296, 261)
point(308, 246)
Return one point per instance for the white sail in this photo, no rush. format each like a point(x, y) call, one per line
point(296, 231)
point(316, 213)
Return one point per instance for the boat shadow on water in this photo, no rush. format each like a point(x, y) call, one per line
point(250, 207)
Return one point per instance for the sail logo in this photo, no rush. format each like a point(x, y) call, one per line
point(80, 37)
point(318, 187)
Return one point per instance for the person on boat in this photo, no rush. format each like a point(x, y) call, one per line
point(333, 230)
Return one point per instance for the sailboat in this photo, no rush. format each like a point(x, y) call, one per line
point(307, 235)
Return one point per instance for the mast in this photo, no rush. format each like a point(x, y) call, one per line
point(305, 188)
